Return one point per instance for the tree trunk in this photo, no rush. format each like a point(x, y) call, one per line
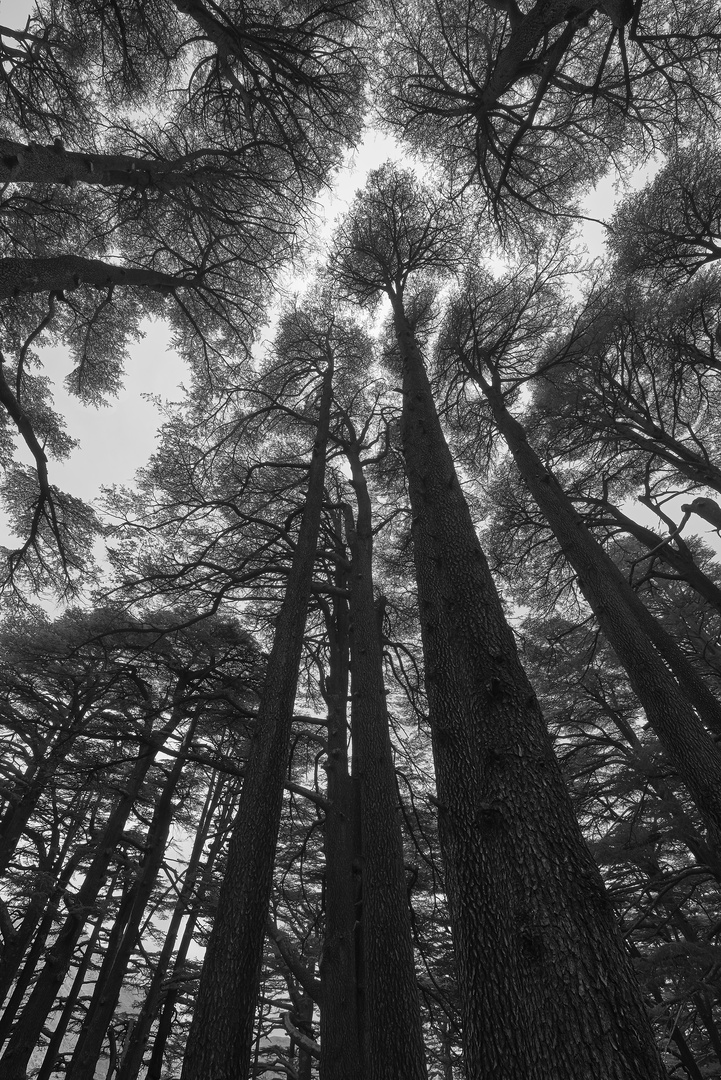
point(56, 1039)
point(177, 979)
point(30, 1024)
point(628, 625)
point(221, 1035)
point(34, 164)
point(339, 1034)
point(138, 1037)
point(546, 987)
point(67, 272)
point(115, 962)
point(679, 558)
point(393, 1035)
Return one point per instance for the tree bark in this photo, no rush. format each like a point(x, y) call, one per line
point(546, 987)
point(339, 1030)
point(628, 626)
point(59, 273)
point(393, 1035)
point(21, 163)
point(221, 1035)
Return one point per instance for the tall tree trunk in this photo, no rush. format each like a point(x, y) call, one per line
point(339, 1033)
point(138, 1037)
point(41, 913)
point(56, 1039)
point(30, 1024)
point(393, 1035)
point(221, 1035)
point(34, 785)
point(178, 981)
point(680, 558)
point(546, 987)
point(629, 627)
point(115, 962)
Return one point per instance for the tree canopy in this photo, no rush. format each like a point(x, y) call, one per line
point(371, 732)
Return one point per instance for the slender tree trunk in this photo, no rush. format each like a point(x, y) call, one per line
point(138, 1037)
point(628, 626)
point(115, 962)
point(221, 1035)
point(339, 1034)
point(393, 1036)
point(546, 987)
point(177, 981)
point(29, 1027)
point(41, 913)
point(34, 785)
point(680, 559)
point(56, 1039)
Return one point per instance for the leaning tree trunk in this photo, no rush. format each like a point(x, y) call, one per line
point(115, 963)
point(178, 979)
point(631, 630)
point(546, 987)
point(73, 995)
point(221, 1034)
point(30, 1024)
point(138, 1038)
point(393, 1045)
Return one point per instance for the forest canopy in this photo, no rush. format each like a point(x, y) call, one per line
point(371, 732)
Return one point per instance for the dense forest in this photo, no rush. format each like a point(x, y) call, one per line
point(372, 732)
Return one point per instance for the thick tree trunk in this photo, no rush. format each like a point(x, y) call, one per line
point(546, 987)
point(34, 164)
point(628, 626)
point(221, 1035)
point(67, 272)
point(30, 1024)
point(393, 1045)
point(339, 1033)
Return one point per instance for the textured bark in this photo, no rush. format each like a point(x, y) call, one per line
point(546, 987)
point(30, 1024)
point(628, 626)
point(221, 1035)
point(34, 164)
point(138, 1037)
point(115, 962)
point(339, 1033)
point(59, 273)
point(393, 1045)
